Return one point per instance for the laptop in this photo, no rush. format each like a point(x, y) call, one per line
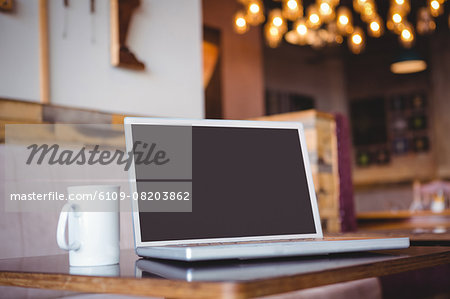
point(226, 189)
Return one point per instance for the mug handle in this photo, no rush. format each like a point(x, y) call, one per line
point(61, 229)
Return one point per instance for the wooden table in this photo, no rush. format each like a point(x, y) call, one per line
point(231, 279)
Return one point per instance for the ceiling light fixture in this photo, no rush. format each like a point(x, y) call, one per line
point(326, 22)
point(408, 62)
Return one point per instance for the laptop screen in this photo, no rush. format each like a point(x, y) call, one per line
point(245, 181)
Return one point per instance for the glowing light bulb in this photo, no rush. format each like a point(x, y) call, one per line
point(314, 18)
point(302, 29)
point(406, 34)
point(254, 8)
point(255, 15)
point(277, 21)
point(240, 24)
point(325, 8)
point(436, 7)
point(292, 4)
point(300, 33)
point(291, 9)
point(400, 2)
point(273, 35)
point(344, 23)
point(357, 39)
point(374, 26)
point(343, 20)
point(435, 4)
point(397, 18)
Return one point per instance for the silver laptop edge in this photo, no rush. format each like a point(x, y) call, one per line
point(271, 249)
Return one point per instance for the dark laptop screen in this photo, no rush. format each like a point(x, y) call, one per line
point(245, 182)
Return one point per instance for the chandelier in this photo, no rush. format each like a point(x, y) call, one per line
point(327, 22)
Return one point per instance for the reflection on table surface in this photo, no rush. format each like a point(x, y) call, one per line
point(243, 270)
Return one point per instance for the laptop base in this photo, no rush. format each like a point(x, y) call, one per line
point(256, 250)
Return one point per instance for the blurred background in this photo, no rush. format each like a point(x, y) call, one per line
point(369, 79)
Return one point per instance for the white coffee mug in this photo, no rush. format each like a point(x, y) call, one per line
point(93, 231)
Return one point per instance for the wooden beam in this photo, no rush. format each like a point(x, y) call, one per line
point(114, 30)
point(44, 85)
